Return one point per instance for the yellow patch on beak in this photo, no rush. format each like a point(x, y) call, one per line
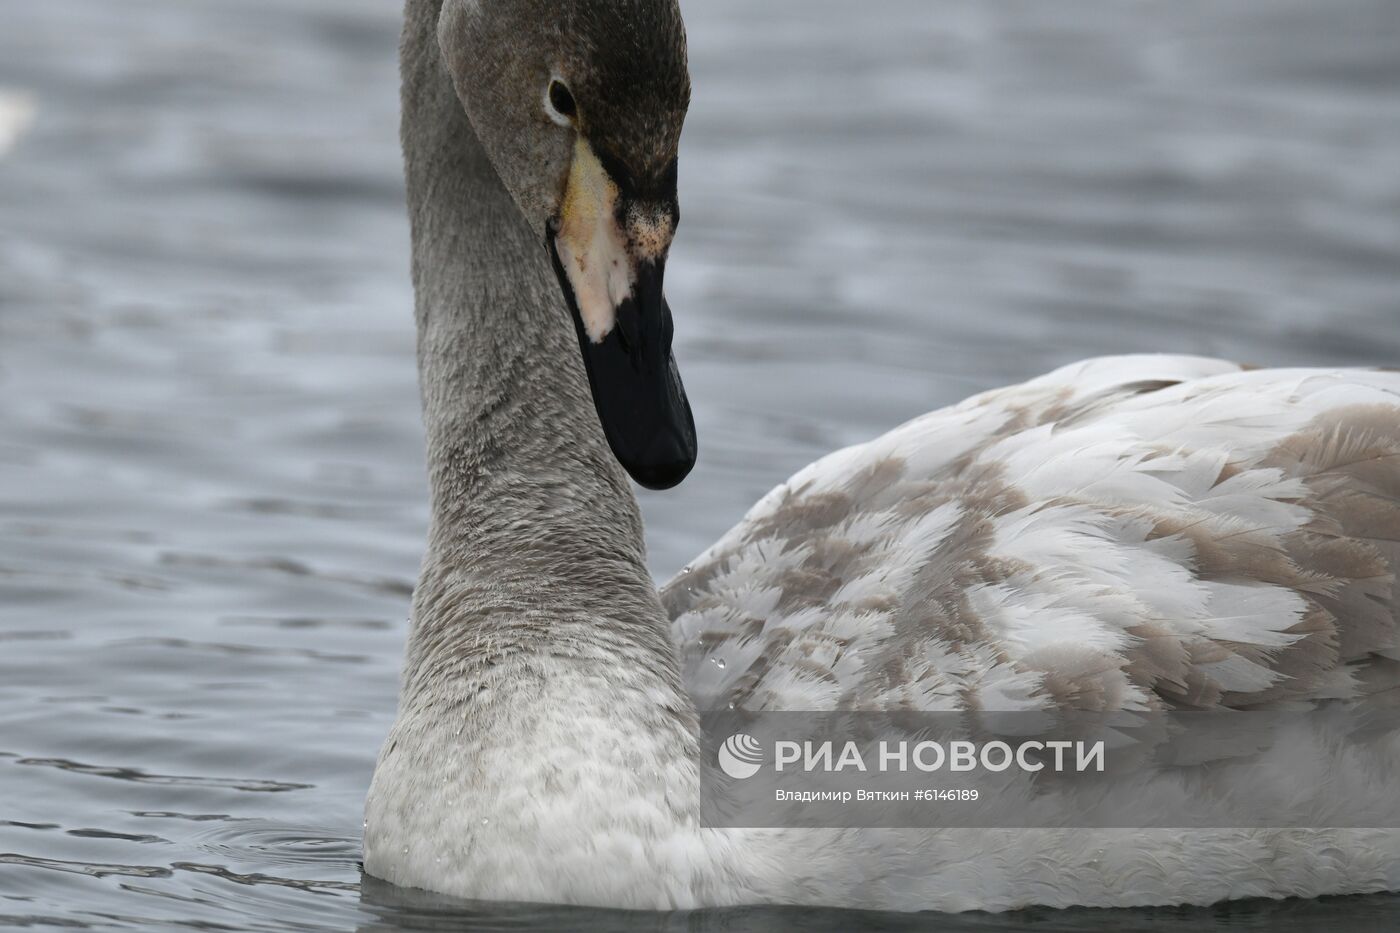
point(592, 247)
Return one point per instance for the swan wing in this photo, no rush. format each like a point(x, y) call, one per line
point(1123, 533)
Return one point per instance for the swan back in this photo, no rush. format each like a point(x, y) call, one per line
point(1123, 533)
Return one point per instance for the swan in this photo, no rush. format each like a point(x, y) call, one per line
point(1151, 532)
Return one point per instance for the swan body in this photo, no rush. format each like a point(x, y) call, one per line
point(1126, 533)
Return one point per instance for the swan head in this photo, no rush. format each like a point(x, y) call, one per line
point(579, 105)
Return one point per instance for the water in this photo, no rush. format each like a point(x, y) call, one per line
point(211, 490)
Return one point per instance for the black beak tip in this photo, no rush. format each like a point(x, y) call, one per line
point(660, 457)
point(664, 474)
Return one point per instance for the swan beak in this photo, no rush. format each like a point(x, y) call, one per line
point(609, 247)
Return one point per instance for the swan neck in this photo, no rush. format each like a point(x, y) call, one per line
point(531, 515)
point(542, 708)
point(505, 400)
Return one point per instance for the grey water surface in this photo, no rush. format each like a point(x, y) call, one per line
point(211, 488)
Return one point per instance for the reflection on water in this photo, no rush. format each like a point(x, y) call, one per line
point(397, 909)
point(211, 493)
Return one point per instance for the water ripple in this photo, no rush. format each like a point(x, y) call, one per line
point(259, 650)
point(95, 869)
point(259, 878)
point(138, 776)
point(287, 566)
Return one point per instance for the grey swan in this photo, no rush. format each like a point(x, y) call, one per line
point(1127, 533)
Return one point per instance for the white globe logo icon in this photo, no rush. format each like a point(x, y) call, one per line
point(740, 756)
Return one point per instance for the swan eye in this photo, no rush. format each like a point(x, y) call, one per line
point(560, 103)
